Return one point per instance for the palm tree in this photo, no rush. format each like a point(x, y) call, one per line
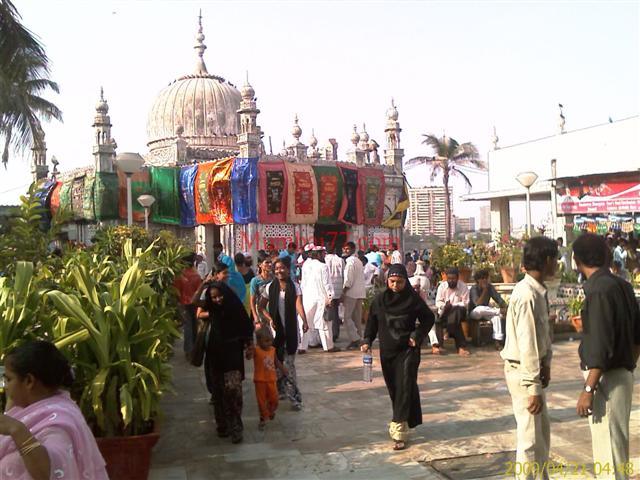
point(449, 157)
point(24, 77)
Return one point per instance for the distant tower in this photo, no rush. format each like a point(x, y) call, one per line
point(561, 120)
point(249, 138)
point(104, 148)
point(39, 168)
point(357, 153)
point(494, 140)
point(393, 153)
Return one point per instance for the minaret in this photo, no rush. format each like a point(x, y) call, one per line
point(364, 146)
point(200, 47)
point(39, 168)
point(297, 148)
point(249, 139)
point(393, 153)
point(104, 148)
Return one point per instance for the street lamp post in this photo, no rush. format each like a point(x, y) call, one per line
point(527, 179)
point(146, 201)
point(129, 163)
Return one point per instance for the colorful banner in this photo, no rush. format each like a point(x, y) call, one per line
point(106, 196)
point(220, 192)
point(272, 186)
point(213, 192)
point(330, 193)
point(44, 196)
point(140, 185)
point(351, 210)
point(372, 190)
point(77, 198)
point(88, 203)
point(302, 202)
point(65, 197)
point(54, 203)
point(187, 196)
point(604, 197)
point(244, 182)
point(398, 216)
point(166, 190)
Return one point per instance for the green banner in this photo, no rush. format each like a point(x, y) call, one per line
point(106, 196)
point(165, 185)
point(329, 182)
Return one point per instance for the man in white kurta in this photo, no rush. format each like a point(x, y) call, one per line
point(317, 294)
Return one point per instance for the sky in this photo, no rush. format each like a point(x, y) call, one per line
point(455, 67)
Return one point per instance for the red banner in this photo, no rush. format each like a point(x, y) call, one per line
point(302, 205)
point(605, 197)
point(272, 192)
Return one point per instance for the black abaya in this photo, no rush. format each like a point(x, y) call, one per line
point(393, 317)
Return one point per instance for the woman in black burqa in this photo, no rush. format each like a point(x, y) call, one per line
point(230, 337)
point(393, 316)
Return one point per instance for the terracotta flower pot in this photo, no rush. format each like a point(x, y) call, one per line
point(508, 274)
point(576, 321)
point(465, 274)
point(128, 457)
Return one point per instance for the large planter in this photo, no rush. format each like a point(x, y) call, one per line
point(508, 274)
point(465, 274)
point(128, 457)
point(576, 321)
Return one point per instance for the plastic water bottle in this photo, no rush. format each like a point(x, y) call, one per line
point(367, 367)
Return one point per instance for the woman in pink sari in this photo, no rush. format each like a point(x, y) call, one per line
point(43, 434)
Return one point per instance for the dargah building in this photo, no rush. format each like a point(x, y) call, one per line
point(212, 179)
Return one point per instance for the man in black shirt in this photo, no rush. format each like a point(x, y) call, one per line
point(479, 297)
point(608, 354)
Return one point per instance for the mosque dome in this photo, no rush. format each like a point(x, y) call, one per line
point(201, 106)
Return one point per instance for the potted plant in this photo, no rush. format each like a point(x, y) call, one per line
point(117, 331)
point(575, 306)
point(508, 257)
point(450, 255)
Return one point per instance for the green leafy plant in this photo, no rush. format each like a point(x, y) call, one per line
point(450, 255)
point(118, 334)
point(508, 252)
point(575, 306)
point(569, 277)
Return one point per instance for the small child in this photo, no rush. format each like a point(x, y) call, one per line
point(265, 362)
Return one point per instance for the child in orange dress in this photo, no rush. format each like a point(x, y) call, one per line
point(265, 362)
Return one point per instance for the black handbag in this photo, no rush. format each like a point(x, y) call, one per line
point(197, 354)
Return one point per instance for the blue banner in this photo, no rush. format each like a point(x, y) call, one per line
point(244, 183)
point(187, 196)
point(43, 194)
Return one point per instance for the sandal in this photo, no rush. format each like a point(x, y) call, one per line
point(399, 445)
point(435, 351)
point(464, 352)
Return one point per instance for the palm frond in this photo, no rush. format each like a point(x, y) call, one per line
point(417, 161)
point(435, 171)
point(456, 171)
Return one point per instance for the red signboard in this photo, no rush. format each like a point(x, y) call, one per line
point(605, 197)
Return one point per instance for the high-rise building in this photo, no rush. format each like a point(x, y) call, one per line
point(485, 218)
point(465, 225)
point(427, 211)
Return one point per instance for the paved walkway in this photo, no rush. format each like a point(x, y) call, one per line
point(341, 432)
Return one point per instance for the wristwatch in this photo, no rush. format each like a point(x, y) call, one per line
point(590, 389)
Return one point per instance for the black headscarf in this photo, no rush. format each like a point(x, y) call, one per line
point(400, 302)
point(231, 319)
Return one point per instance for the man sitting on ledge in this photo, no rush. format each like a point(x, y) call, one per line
point(481, 294)
point(452, 299)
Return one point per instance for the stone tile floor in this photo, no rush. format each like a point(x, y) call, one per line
point(341, 432)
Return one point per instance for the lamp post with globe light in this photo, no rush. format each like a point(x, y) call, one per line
point(129, 163)
point(527, 179)
point(146, 201)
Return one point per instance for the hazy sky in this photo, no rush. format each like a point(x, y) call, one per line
point(458, 67)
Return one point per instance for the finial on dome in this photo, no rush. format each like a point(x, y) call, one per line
point(296, 131)
point(364, 136)
point(313, 141)
point(355, 137)
point(284, 152)
point(200, 47)
point(102, 106)
point(392, 112)
point(247, 92)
